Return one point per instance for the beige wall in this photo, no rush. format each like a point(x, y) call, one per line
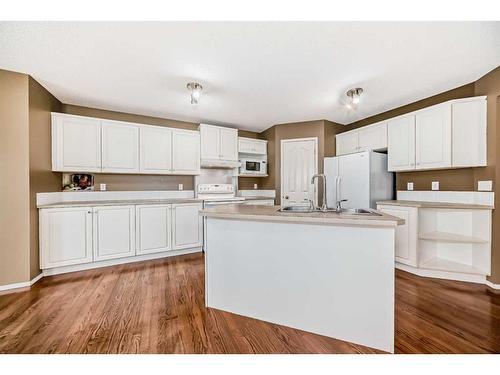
point(14, 179)
point(42, 179)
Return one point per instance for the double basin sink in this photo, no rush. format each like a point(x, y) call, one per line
point(345, 211)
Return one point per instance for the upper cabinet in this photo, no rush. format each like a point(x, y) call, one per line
point(76, 144)
point(447, 135)
point(120, 147)
point(83, 144)
point(372, 137)
point(252, 146)
point(218, 143)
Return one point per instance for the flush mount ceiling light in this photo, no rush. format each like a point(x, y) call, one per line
point(195, 89)
point(353, 97)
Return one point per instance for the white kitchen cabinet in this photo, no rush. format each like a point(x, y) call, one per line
point(252, 146)
point(153, 228)
point(347, 143)
point(65, 236)
point(433, 137)
point(401, 143)
point(372, 137)
point(120, 147)
point(406, 235)
point(187, 225)
point(469, 132)
point(155, 150)
point(218, 143)
point(114, 232)
point(186, 152)
point(76, 143)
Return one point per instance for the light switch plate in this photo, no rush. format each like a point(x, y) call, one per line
point(435, 185)
point(409, 186)
point(485, 185)
point(102, 187)
point(181, 186)
point(255, 187)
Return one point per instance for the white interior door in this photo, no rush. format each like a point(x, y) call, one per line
point(299, 162)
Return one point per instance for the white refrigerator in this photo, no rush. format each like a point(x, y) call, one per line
point(361, 178)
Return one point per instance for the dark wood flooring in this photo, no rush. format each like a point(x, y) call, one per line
point(158, 307)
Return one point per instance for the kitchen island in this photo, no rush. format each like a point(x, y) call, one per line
point(326, 273)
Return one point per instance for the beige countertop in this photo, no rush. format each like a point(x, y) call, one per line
point(271, 213)
point(424, 204)
point(119, 202)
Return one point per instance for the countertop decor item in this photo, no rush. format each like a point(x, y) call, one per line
point(79, 182)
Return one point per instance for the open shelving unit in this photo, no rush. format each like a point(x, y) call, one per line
point(455, 240)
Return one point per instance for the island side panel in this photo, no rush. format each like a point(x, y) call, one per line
point(336, 281)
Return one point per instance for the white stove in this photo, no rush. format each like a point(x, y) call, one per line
point(215, 194)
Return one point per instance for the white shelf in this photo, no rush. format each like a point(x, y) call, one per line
point(450, 266)
point(252, 175)
point(450, 237)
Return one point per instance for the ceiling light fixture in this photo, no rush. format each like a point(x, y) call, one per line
point(195, 89)
point(353, 97)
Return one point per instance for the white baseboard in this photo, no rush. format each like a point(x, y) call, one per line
point(22, 284)
point(455, 276)
point(113, 262)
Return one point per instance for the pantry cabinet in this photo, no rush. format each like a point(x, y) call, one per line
point(187, 225)
point(114, 232)
point(76, 144)
point(218, 143)
point(65, 236)
point(120, 147)
point(153, 228)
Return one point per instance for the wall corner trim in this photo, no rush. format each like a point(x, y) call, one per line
point(26, 284)
point(492, 285)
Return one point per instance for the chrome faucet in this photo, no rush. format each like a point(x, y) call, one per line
point(339, 204)
point(323, 205)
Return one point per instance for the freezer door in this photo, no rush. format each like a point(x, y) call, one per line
point(330, 169)
point(354, 180)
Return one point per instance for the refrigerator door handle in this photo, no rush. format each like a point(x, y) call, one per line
point(337, 189)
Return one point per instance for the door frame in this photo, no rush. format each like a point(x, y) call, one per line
point(288, 140)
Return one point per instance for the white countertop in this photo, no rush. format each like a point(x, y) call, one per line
point(124, 202)
point(271, 213)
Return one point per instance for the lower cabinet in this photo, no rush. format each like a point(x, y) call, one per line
point(65, 236)
point(154, 228)
point(406, 234)
point(78, 235)
point(114, 232)
point(187, 225)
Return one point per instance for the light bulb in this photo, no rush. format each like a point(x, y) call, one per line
point(195, 89)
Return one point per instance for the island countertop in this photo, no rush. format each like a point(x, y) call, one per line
point(271, 213)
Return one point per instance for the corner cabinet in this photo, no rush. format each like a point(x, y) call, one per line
point(218, 143)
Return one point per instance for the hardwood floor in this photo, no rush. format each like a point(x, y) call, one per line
point(158, 307)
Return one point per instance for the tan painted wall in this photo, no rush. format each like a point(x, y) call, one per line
point(42, 179)
point(14, 179)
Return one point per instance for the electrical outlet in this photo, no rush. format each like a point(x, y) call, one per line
point(409, 186)
point(484, 185)
point(181, 187)
point(102, 187)
point(255, 187)
point(435, 185)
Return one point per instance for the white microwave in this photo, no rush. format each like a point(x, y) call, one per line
point(253, 166)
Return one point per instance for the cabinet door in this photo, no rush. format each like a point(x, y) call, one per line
point(65, 236)
point(373, 137)
point(186, 152)
point(120, 147)
point(76, 144)
point(210, 142)
point(114, 232)
point(401, 143)
point(406, 234)
point(187, 225)
point(153, 229)
point(155, 150)
point(245, 145)
point(347, 143)
point(469, 133)
point(433, 137)
point(228, 144)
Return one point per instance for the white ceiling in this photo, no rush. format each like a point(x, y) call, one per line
point(255, 74)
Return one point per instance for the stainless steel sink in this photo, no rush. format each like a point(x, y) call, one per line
point(358, 211)
point(296, 209)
